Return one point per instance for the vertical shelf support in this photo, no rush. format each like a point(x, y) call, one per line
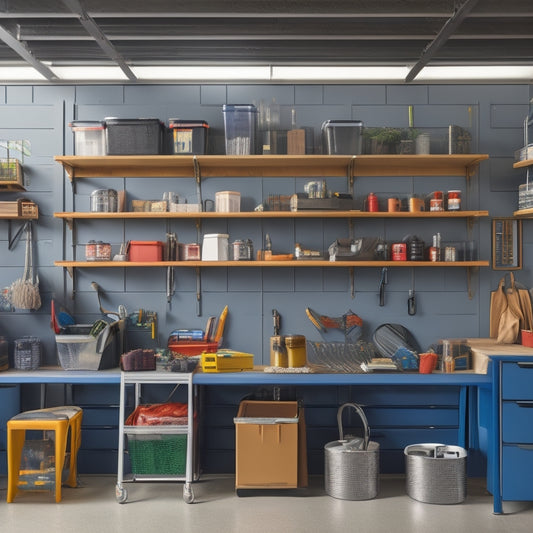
point(198, 179)
point(198, 292)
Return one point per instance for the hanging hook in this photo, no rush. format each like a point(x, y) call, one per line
point(384, 280)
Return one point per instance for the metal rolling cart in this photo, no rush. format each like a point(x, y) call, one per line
point(169, 432)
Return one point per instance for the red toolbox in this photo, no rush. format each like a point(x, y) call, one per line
point(145, 251)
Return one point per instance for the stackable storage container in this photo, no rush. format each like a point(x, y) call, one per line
point(89, 137)
point(128, 136)
point(188, 136)
point(146, 251)
point(342, 137)
point(240, 128)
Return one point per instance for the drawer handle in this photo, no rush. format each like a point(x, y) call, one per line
point(525, 364)
point(525, 404)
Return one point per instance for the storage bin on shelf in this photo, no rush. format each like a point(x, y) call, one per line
point(145, 251)
point(342, 137)
point(27, 353)
point(141, 136)
point(240, 128)
point(188, 136)
point(89, 137)
point(78, 350)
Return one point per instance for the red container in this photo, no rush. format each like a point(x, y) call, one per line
point(191, 347)
point(145, 251)
point(527, 338)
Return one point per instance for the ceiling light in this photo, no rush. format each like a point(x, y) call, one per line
point(89, 73)
point(476, 72)
point(19, 74)
point(340, 73)
point(203, 73)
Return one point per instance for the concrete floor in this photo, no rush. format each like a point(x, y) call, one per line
point(152, 507)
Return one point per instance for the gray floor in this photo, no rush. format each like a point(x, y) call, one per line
point(150, 507)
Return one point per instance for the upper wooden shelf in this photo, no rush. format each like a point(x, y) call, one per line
point(269, 165)
point(293, 263)
point(270, 214)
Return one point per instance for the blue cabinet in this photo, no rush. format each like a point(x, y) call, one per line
point(516, 430)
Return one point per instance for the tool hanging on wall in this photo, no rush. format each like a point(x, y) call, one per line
point(384, 280)
point(276, 319)
point(411, 301)
point(144, 319)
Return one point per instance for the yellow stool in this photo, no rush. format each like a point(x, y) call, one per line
point(58, 419)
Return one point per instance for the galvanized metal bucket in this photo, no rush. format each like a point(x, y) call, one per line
point(352, 465)
point(435, 473)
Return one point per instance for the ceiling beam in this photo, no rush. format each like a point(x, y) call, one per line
point(23, 51)
point(444, 34)
point(101, 40)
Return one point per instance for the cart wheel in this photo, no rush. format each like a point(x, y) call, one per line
point(121, 494)
point(188, 494)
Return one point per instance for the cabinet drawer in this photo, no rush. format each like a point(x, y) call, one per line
point(517, 381)
point(517, 422)
point(517, 473)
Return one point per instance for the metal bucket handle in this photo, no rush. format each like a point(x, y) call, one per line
point(361, 414)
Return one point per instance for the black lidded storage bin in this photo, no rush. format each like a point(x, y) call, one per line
point(133, 136)
point(188, 136)
point(342, 137)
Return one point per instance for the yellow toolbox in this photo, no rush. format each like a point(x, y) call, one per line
point(227, 361)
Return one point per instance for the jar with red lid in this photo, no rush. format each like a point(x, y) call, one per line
point(454, 200)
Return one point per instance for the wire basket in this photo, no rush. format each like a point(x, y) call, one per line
point(339, 356)
point(158, 454)
point(27, 354)
point(352, 465)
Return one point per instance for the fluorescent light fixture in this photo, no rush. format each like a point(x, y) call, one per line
point(476, 72)
point(88, 73)
point(340, 73)
point(20, 74)
point(203, 73)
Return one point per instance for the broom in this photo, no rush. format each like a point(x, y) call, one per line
point(24, 292)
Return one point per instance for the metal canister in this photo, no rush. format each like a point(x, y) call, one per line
point(104, 201)
point(296, 351)
point(399, 251)
point(240, 251)
point(249, 249)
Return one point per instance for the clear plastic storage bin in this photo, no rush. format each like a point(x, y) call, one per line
point(89, 137)
point(240, 128)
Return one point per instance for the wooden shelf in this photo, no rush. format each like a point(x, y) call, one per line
point(11, 217)
point(249, 166)
point(293, 264)
point(270, 214)
point(524, 163)
point(417, 165)
point(524, 213)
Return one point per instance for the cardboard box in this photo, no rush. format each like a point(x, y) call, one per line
point(270, 449)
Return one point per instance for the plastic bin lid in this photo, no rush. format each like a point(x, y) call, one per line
point(146, 243)
point(239, 107)
point(130, 121)
point(216, 236)
point(342, 123)
point(179, 123)
point(87, 124)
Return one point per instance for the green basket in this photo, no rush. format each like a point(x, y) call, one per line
point(158, 454)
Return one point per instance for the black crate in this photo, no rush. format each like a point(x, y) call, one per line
point(141, 136)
